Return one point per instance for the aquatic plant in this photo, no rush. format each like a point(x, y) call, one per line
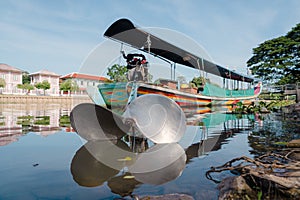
point(260, 106)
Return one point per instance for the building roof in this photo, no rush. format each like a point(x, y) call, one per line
point(44, 72)
point(5, 67)
point(84, 76)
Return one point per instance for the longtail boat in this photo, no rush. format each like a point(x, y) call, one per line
point(117, 95)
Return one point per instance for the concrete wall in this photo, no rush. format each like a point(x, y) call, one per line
point(44, 99)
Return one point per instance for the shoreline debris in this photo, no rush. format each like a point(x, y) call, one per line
point(270, 176)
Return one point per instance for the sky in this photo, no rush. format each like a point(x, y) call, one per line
point(59, 35)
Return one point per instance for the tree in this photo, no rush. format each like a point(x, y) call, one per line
point(25, 83)
point(68, 85)
point(278, 60)
point(25, 78)
point(117, 73)
point(45, 85)
point(2, 84)
point(26, 86)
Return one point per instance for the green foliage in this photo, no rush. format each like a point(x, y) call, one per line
point(278, 60)
point(42, 120)
point(26, 86)
point(64, 121)
point(25, 78)
point(279, 103)
point(28, 120)
point(259, 195)
point(198, 81)
point(240, 108)
point(2, 83)
point(68, 85)
point(27, 117)
point(260, 107)
point(24, 120)
point(192, 85)
point(117, 73)
point(281, 143)
point(2, 122)
point(45, 85)
point(271, 96)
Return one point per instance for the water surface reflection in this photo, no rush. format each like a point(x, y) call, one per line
point(63, 166)
point(19, 119)
point(126, 171)
point(129, 163)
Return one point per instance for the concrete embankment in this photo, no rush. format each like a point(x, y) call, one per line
point(20, 99)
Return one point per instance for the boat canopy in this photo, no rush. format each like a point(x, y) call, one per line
point(124, 31)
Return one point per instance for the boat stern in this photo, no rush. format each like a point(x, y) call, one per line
point(115, 95)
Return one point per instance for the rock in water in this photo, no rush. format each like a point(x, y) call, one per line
point(235, 188)
point(168, 197)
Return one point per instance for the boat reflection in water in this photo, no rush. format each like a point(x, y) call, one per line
point(211, 131)
point(125, 164)
point(115, 162)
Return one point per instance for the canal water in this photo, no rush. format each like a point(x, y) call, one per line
point(41, 157)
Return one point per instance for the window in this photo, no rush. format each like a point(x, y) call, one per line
point(81, 82)
point(2, 76)
point(15, 77)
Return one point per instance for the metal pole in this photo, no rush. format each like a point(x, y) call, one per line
point(171, 72)
point(174, 65)
point(202, 63)
point(231, 85)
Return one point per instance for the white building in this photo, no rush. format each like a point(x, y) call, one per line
point(84, 80)
point(12, 77)
point(51, 77)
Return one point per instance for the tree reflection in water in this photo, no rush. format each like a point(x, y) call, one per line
point(19, 119)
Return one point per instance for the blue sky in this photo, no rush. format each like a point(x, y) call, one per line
point(59, 34)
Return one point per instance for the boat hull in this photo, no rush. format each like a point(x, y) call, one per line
point(115, 96)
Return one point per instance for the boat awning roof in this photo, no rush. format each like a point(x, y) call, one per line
point(124, 31)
